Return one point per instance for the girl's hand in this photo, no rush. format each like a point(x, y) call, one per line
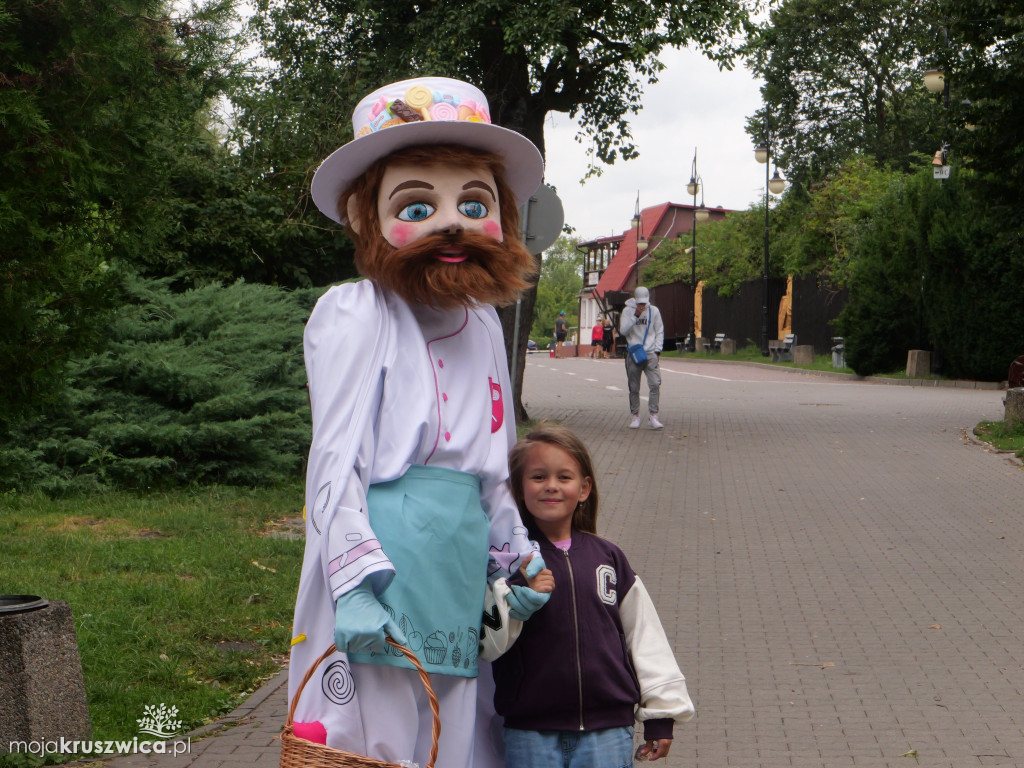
point(653, 750)
point(538, 578)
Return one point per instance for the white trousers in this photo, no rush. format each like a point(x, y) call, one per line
point(397, 721)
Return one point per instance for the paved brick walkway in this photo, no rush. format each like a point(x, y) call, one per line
point(838, 565)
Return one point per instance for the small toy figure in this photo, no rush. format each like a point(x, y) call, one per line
point(409, 514)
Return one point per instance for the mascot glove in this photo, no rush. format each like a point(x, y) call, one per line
point(523, 602)
point(360, 622)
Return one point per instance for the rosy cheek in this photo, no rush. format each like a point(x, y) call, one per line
point(493, 229)
point(399, 234)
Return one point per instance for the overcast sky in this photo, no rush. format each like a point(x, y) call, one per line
point(693, 105)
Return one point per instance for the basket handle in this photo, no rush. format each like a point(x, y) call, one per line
point(435, 710)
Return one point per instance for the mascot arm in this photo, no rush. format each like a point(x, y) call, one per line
point(345, 347)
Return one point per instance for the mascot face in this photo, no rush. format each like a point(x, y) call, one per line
point(438, 226)
point(414, 202)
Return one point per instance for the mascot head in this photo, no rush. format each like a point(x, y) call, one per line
point(429, 190)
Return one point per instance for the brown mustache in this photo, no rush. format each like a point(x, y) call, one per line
point(473, 244)
point(491, 273)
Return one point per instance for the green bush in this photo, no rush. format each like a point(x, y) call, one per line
point(933, 270)
point(195, 387)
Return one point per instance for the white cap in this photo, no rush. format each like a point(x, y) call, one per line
point(642, 295)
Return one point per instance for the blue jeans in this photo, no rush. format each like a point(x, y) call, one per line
point(609, 748)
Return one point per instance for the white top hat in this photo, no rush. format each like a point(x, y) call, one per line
point(424, 110)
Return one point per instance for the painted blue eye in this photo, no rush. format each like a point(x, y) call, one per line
point(473, 209)
point(416, 212)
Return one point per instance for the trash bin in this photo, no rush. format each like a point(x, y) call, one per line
point(838, 352)
point(42, 691)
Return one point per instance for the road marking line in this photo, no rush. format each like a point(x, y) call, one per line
point(698, 375)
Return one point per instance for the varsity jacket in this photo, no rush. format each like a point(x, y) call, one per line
point(595, 656)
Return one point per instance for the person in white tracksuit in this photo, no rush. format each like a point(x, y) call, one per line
point(409, 515)
point(641, 324)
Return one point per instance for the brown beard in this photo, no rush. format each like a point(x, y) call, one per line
point(492, 272)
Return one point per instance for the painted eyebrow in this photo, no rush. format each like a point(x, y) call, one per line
point(411, 184)
point(480, 185)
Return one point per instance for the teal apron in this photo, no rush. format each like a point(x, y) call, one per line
point(433, 529)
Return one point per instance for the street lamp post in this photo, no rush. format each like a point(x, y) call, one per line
point(641, 241)
point(699, 214)
point(776, 184)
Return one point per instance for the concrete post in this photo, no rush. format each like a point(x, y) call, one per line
point(42, 691)
point(803, 354)
point(1013, 414)
point(919, 363)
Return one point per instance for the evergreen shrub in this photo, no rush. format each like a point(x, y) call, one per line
point(205, 386)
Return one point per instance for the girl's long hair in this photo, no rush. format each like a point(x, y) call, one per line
point(585, 517)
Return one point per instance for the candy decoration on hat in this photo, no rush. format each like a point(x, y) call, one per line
point(444, 111)
point(401, 109)
point(419, 97)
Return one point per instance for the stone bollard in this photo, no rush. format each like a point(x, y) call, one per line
point(919, 363)
point(803, 354)
point(699, 343)
point(1013, 412)
point(42, 691)
point(729, 347)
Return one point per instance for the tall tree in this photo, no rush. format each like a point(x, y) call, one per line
point(843, 79)
point(587, 58)
point(94, 97)
point(558, 289)
point(981, 48)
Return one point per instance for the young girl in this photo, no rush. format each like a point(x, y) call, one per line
point(595, 656)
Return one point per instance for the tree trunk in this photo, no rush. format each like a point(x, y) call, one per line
point(515, 108)
point(507, 315)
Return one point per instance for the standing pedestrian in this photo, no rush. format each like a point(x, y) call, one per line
point(609, 338)
point(644, 330)
point(561, 327)
point(597, 340)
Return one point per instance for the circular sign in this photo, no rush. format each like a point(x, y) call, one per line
point(542, 217)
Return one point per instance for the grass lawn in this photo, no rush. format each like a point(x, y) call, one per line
point(182, 598)
point(998, 436)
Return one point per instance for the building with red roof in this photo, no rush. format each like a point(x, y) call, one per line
point(611, 264)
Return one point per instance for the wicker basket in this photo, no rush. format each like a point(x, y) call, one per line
point(299, 753)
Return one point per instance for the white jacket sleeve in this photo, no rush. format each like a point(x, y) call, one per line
point(499, 630)
point(628, 317)
point(663, 691)
point(344, 352)
point(659, 330)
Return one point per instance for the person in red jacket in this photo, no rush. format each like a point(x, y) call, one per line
point(569, 698)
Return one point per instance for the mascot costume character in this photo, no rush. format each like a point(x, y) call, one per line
point(410, 522)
